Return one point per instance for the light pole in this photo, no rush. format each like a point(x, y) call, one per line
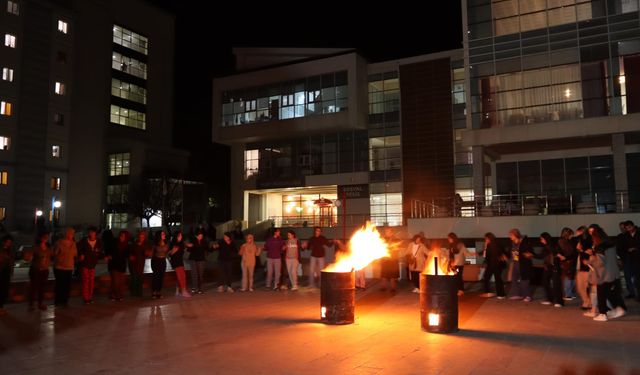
point(54, 219)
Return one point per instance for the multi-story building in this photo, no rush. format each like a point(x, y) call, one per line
point(321, 137)
point(87, 108)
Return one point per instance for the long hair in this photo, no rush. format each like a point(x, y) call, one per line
point(566, 233)
point(491, 237)
point(600, 238)
point(158, 237)
point(454, 239)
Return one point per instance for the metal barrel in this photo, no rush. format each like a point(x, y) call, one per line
point(337, 297)
point(438, 303)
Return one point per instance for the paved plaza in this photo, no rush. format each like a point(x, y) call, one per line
point(267, 332)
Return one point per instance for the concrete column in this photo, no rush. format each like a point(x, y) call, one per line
point(237, 182)
point(620, 172)
point(478, 171)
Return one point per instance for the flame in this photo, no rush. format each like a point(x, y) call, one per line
point(440, 257)
point(365, 246)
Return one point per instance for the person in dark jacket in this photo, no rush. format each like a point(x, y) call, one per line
point(6, 269)
point(622, 242)
point(197, 249)
point(521, 255)
point(582, 242)
point(227, 251)
point(495, 259)
point(116, 256)
point(90, 250)
point(552, 273)
point(140, 250)
point(176, 258)
point(633, 250)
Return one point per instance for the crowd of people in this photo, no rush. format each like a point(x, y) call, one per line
point(585, 262)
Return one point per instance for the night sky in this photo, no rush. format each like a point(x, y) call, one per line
point(206, 33)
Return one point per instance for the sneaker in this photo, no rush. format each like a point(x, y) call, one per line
point(220, 289)
point(276, 288)
point(284, 287)
point(294, 288)
point(590, 314)
point(243, 290)
point(186, 294)
point(229, 289)
point(415, 290)
point(515, 298)
point(569, 298)
point(193, 290)
point(601, 318)
point(200, 291)
point(616, 313)
point(527, 299)
point(501, 297)
point(488, 295)
point(557, 305)
point(546, 303)
point(251, 289)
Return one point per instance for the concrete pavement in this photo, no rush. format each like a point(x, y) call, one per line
point(267, 332)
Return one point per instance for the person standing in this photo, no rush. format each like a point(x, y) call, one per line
point(495, 259)
point(176, 258)
point(40, 257)
point(65, 253)
point(633, 249)
point(458, 255)
point(197, 260)
point(116, 256)
point(622, 242)
point(292, 249)
point(227, 251)
point(552, 274)
point(248, 251)
point(317, 245)
point(6, 269)
point(159, 263)
point(521, 254)
point(140, 250)
point(90, 250)
point(273, 246)
point(390, 266)
point(416, 255)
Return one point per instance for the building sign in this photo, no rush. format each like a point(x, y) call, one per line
point(353, 191)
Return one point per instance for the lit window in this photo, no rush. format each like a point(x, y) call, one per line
point(251, 163)
point(119, 164)
point(5, 143)
point(55, 183)
point(59, 89)
point(7, 74)
point(58, 119)
point(4, 178)
point(10, 40)
point(5, 108)
point(3, 213)
point(13, 8)
point(62, 26)
point(130, 39)
point(128, 117)
point(55, 151)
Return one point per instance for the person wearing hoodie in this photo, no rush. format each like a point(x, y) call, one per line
point(227, 252)
point(552, 273)
point(521, 254)
point(604, 262)
point(117, 256)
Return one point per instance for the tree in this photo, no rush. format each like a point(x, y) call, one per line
point(157, 195)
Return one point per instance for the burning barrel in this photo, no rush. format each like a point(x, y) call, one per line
point(337, 297)
point(439, 303)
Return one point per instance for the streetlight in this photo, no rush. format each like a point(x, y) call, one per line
point(54, 219)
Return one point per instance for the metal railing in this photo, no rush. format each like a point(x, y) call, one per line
point(524, 204)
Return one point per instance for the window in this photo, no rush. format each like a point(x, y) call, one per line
point(128, 65)
point(128, 117)
point(62, 26)
point(4, 178)
point(129, 39)
point(5, 108)
point(58, 119)
point(10, 40)
point(119, 164)
point(13, 7)
point(5, 142)
point(59, 88)
point(251, 163)
point(56, 152)
point(129, 91)
point(55, 183)
point(3, 213)
point(384, 153)
point(117, 221)
point(117, 194)
point(7, 74)
point(386, 209)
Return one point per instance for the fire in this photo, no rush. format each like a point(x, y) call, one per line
point(365, 246)
point(439, 257)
